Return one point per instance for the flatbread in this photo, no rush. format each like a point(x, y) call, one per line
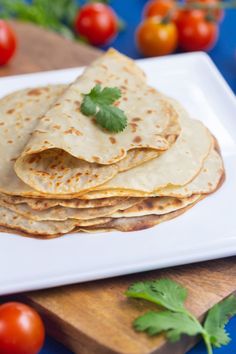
point(19, 116)
point(15, 222)
point(134, 223)
point(177, 166)
point(43, 204)
point(61, 213)
point(207, 181)
point(55, 159)
point(155, 206)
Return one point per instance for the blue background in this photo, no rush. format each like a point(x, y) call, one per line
point(224, 56)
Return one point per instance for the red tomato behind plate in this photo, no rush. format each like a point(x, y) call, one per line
point(7, 42)
point(195, 31)
point(21, 329)
point(97, 23)
point(218, 14)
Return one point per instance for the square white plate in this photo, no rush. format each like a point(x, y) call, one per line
point(205, 232)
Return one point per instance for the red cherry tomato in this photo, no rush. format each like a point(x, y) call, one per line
point(158, 8)
point(156, 38)
point(21, 329)
point(7, 42)
point(195, 32)
point(97, 23)
point(218, 14)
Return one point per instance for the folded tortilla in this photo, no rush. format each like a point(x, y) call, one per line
point(69, 153)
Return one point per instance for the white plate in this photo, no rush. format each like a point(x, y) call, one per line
point(205, 232)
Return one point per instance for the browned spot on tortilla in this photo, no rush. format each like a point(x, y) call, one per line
point(209, 184)
point(104, 66)
point(14, 159)
point(10, 141)
point(127, 69)
point(123, 87)
point(98, 81)
point(125, 99)
point(160, 207)
point(96, 158)
point(46, 142)
point(35, 92)
point(67, 100)
point(78, 174)
point(117, 103)
point(47, 119)
point(57, 104)
point(149, 111)
point(140, 207)
point(32, 159)
point(73, 130)
point(2, 123)
point(152, 90)
point(133, 127)
point(177, 201)
point(10, 111)
point(58, 184)
point(137, 139)
point(112, 140)
point(27, 119)
point(136, 119)
point(126, 81)
point(56, 126)
point(149, 203)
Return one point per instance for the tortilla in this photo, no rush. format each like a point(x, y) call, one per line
point(155, 206)
point(61, 213)
point(177, 166)
point(207, 181)
point(134, 223)
point(55, 160)
point(15, 222)
point(43, 204)
point(19, 115)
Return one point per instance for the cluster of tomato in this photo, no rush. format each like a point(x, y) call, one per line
point(167, 24)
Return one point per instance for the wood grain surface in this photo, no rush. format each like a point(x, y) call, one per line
point(96, 317)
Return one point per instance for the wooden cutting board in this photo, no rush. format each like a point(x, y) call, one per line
point(95, 318)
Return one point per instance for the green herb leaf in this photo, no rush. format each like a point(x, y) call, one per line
point(177, 320)
point(216, 320)
point(57, 15)
point(164, 292)
point(98, 103)
point(173, 323)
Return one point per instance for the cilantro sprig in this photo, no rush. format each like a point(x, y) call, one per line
point(99, 102)
point(176, 320)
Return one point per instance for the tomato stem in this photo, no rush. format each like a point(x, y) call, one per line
point(202, 6)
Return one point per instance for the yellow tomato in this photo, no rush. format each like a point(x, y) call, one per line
point(156, 38)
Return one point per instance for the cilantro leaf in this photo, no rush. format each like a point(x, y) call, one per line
point(177, 320)
point(216, 320)
point(111, 118)
point(98, 103)
point(173, 323)
point(164, 292)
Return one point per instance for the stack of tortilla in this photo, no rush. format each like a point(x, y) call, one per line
point(61, 172)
